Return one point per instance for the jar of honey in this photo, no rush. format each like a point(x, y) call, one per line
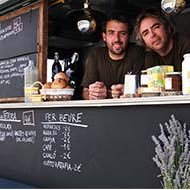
point(173, 81)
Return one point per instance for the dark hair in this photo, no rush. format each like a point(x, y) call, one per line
point(120, 18)
point(156, 13)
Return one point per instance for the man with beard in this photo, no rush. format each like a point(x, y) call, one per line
point(106, 66)
point(164, 46)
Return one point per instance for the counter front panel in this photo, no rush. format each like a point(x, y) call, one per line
point(83, 147)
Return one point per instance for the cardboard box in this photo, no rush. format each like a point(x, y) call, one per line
point(156, 75)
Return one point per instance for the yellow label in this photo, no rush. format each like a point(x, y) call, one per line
point(156, 80)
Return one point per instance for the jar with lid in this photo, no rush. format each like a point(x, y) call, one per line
point(173, 81)
point(186, 74)
point(144, 79)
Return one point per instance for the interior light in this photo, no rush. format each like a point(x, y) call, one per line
point(86, 24)
point(172, 6)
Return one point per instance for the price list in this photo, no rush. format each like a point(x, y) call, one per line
point(57, 141)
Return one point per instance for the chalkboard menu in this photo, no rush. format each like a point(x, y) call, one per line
point(84, 147)
point(44, 141)
point(12, 75)
point(19, 42)
point(99, 147)
point(18, 35)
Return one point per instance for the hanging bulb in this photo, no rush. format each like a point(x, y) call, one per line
point(173, 6)
point(86, 23)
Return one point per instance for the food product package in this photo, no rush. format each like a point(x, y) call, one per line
point(156, 75)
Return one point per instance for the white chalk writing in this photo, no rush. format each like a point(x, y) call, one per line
point(9, 131)
point(9, 116)
point(12, 68)
point(72, 119)
point(57, 145)
point(15, 27)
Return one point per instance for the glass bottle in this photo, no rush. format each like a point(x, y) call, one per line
point(30, 76)
point(56, 67)
point(71, 69)
point(70, 66)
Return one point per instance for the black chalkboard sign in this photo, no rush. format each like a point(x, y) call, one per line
point(12, 75)
point(76, 148)
point(98, 147)
point(19, 42)
point(18, 35)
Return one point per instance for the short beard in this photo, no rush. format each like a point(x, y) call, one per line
point(116, 52)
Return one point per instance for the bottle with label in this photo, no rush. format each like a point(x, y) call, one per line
point(56, 67)
point(186, 74)
point(30, 76)
point(70, 69)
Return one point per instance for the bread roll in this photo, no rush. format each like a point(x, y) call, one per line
point(61, 75)
point(47, 85)
point(61, 80)
point(59, 83)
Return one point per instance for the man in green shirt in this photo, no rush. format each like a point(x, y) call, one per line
point(106, 66)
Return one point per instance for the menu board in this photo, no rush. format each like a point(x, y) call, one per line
point(18, 35)
point(44, 140)
point(78, 147)
point(12, 75)
point(18, 44)
point(58, 149)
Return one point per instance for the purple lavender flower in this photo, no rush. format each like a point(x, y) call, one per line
point(173, 154)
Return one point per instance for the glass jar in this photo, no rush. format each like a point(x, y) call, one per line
point(173, 81)
point(144, 79)
point(186, 74)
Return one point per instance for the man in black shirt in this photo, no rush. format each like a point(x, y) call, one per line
point(106, 67)
point(164, 47)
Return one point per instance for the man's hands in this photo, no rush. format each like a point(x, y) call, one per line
point(97, 90)
point(117, 90)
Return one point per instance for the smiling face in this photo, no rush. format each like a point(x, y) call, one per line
point(116, 37)
point(155, 35)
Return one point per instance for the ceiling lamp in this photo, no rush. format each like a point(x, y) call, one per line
point(173, 6)
point(86, 23)
point(86, 18)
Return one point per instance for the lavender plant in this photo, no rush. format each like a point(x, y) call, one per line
point(173, 154)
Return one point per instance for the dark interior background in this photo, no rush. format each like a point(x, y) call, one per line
point(62, 27)
point(64, 37)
